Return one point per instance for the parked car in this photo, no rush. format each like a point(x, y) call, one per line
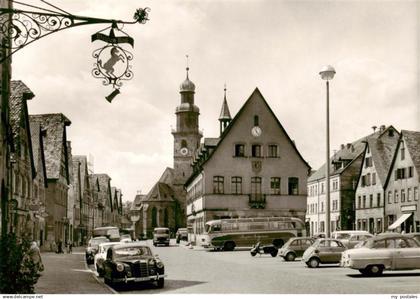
point(295, 247)
point(323, 251)
point(181, 235)
point(92, 248)
point(351, 238)
point(133, 262)
point(391, 251)
point(319, 235)
point(100, 256)
point(125, 238)
point(264, 249)
point(414, 235)
point(161, 236)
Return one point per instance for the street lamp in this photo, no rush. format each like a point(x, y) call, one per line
point(327, 73)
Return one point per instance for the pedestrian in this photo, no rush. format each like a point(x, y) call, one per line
point(60, 246)
point(35, 255)
point(70, 247)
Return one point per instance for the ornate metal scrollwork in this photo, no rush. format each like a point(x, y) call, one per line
point(23, 27)
point(19, 28)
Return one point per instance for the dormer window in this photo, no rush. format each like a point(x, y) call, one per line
point(256, 120)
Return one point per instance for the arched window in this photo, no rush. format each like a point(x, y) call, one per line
point(154, 217)
point(183, 143)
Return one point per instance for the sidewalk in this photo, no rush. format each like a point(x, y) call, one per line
point(68, 274)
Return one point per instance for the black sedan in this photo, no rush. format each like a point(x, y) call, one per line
point(133, 262)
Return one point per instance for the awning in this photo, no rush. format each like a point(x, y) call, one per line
point(400, 220)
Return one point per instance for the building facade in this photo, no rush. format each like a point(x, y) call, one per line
point(23, 169)
point(57, 169)
point(402, 186)
point(252, 170)
point(370, 192)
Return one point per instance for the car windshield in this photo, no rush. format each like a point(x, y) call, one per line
point(343, 236)
point(162, 231)
point(94, 242)
point(132, 252)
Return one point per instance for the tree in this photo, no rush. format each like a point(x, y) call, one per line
point(18, 272)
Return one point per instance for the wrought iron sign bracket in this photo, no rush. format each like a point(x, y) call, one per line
point(19, 28)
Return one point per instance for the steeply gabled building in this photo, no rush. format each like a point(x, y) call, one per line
point(39, 182)
point(253, 170)
point(57, 167)
point(83, 204)
point(370, 192)
point(22, 215)
point(345, 167)
point(101, 185)
point(402, 208)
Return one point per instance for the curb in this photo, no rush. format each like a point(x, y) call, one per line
point(97, 279)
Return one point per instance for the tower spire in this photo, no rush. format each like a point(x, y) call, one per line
point(188, 68)
point(225, 117)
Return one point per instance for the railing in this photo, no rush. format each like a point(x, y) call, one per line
point(257, 201)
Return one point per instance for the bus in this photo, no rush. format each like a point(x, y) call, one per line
point(226, 234)
point(111, 232)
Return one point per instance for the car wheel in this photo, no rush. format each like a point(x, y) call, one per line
point(274, 253)
point(290, 257)
point(154, 244)
point(253, 253)
point(375, 270)
point(160, 283)
point(229, 246)
point(313, 262)
point(107, 281)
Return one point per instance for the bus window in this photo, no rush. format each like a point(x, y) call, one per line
point(216, 228)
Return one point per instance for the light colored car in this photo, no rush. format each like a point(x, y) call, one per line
point(323, 251)
point(100, 256)
point(389, 251)
point(351, 238)
point(295, 247)
point(126, 238)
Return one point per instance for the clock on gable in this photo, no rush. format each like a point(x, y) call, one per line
point(256, 131)
point(184, 151)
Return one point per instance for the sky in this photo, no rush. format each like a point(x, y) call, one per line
point(277, 46)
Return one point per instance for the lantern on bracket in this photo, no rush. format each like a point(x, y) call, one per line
point(112, 60)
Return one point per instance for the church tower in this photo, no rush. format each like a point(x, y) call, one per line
point(187, 136)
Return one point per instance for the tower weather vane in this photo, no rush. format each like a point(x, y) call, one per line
point(19, 28)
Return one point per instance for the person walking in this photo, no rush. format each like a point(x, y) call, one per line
point(35, 255)
point(60, 246)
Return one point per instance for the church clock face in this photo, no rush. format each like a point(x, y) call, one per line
point(256, 131)
point(184, 151)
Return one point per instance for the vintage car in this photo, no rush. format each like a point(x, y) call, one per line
point(323, 251)
point(181, 235)
point(295, 247)
point(100, 256)
point(161, 236)
point(351, 238)
point(391, 251)
point(133, 262)
point(93, 247)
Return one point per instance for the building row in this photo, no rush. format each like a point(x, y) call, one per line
point(254, 169)
point(53, 196)
point(374, 185)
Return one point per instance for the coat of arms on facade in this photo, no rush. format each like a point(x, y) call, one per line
point(256, 166)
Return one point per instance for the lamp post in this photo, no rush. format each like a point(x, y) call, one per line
point(327, 73)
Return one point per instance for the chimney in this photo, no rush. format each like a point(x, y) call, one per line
point(348, 145)
point(342, 146)
point(374, 128)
